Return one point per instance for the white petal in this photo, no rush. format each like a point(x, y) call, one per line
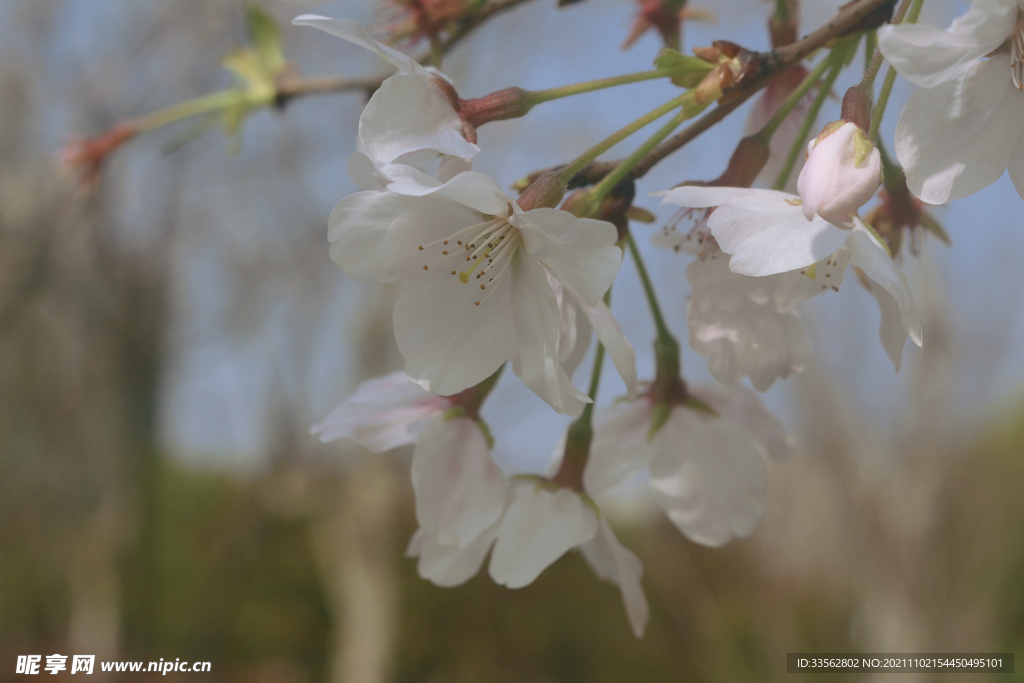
point(709, 477)
point(447, 565)
point(613, 562)
point(375, 236)
point(459, 489)
point(899, 311)
point(353, 32)
point(608, 332)
point(538, 528)
point(696, 197)
point(957, 138)
point(579, 252)
point(928, 56)
point(768, 236)
point(575, 331)
point(536, 330)
point(477, 191)
point(735, 323)
point(446, 339)
point(383, 413)
point(410, 113)
point(619, 449)
point(743, 407)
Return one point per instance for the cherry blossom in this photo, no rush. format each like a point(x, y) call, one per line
point(766, 233)
point(962, 128)
point(476, 271)
point(707, 469)
point(412, 118)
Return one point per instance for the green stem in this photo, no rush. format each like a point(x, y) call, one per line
point(794, 98)
point(890, 76)
point(609, 182)
point(595, 382)
point(883, 99)
point(538, 96)
point(836, 58)
point(652, 299)
point(578, 164)
point(581, 431)
point(187, 109)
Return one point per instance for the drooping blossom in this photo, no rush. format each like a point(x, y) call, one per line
point(476, 270)
point(766, 233)
point(412, 119)
point(707, 469)
point(963, 127)
point(544, 521)
point(459, 489)
point(538, 523)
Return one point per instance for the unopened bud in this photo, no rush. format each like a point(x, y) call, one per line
point(843, 170)
point(546, 191)
point(510, 103)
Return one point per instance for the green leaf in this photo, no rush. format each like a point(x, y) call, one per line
point(691, 69)
point(266, 39)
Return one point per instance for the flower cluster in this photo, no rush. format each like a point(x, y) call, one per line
point(490, 279)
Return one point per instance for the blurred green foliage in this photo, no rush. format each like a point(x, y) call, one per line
point(217, 576)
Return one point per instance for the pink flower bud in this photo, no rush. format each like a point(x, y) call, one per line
point(842, 172)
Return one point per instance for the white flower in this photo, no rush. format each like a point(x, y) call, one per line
point(476, 272)
point(460, 491)
point(843, 170)
point(766, 233)
point(965, 125)
point(383, 413)
point(707, 472)
point(411, 119)
point(539, 527)
point(735, 322)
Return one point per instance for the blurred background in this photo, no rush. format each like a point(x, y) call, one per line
point(168, 336)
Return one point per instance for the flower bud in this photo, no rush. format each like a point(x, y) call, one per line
point(843, 170)
point(545, 191)
point(510, 103)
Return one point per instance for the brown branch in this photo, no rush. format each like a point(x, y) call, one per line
point(854, 17)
